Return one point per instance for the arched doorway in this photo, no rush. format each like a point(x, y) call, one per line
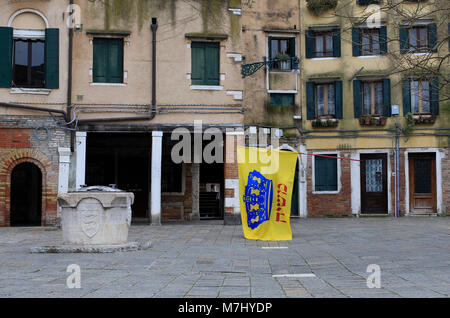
point(26, 195)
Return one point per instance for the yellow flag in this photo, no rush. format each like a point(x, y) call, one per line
point(266, 180)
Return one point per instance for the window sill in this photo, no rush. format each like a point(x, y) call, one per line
point(32, 91)
point(108, 84)
point(325, 192)
point(324, 58)
point(275, 91)
point(369, 56)
point(206, 87)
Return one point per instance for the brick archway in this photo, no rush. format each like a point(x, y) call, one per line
point(7, 165)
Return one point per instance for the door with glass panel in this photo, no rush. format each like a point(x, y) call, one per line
point(422, 182)
point(374, 194)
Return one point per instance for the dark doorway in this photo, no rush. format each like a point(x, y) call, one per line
point(211, 191)
point(422, 182)
point(374, 194)
point(123, 160)
point(26, 195)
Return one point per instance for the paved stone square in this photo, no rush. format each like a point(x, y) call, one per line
point(208, 259)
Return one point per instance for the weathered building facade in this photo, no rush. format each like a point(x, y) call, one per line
point(100, 92)
point(113, 81)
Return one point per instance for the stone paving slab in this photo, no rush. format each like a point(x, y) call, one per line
point(205, 259)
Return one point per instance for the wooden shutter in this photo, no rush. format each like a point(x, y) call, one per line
point(292, 51)
point(432, 34)
point(99, 64)
point(383, 40)
point(212, 64)
point(198, 63)
point(310, 101)
point(52, 58)
point(356, 41)
point(406, 97)
point(338, 99)
point(325, 174)
point(309, 43)
point(336, 42)
point(205, 61)
point(6, 49)
point(434, 94)
point(387, 97)
point(114, 67)
point(357, 101)
point(404, 42)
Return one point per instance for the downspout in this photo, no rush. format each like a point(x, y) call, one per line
point(69, 82)
point(153, 27)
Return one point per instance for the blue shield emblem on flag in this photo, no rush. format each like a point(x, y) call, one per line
point(258, 199)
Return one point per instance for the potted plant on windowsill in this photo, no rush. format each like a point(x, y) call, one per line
point(285, 64)
point(424, 118)
point(365, 120)
point(368, 120)
point(318, 7)
point(325, 122)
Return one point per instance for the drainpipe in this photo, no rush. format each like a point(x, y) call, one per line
point(154, 27)
point(397, 170)
point(69, 82)
point(41, 109)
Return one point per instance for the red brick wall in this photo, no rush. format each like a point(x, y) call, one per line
point(338, 204)
point(18, 146)
point(445, 170)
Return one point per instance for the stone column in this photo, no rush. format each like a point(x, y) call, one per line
point(80, 150)
point(232, 213)
point(156, 178)
point(64, 166)
point(195, 191)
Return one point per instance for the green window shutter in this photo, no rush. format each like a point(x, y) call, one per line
point(383, 40)
point(309, 44)
point(310, 101)
point(6, 49)
point(205, 61)
point(269, 41)
point(115, 61)
point(357, 101)
point(434, 96)
point(338, 97)
point(356, 41)
point(100, 56)
point(198, 65)
point(432, 34)
point(406, 97)
point(212, 64)
point(52, 58)
point(336, 42)
point(292, 51)
point(404, 43)
point(387, 97)
point(325, 174)
point(108, 60)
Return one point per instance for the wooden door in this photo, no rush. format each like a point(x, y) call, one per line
point(374, 194)
point(422, 183)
